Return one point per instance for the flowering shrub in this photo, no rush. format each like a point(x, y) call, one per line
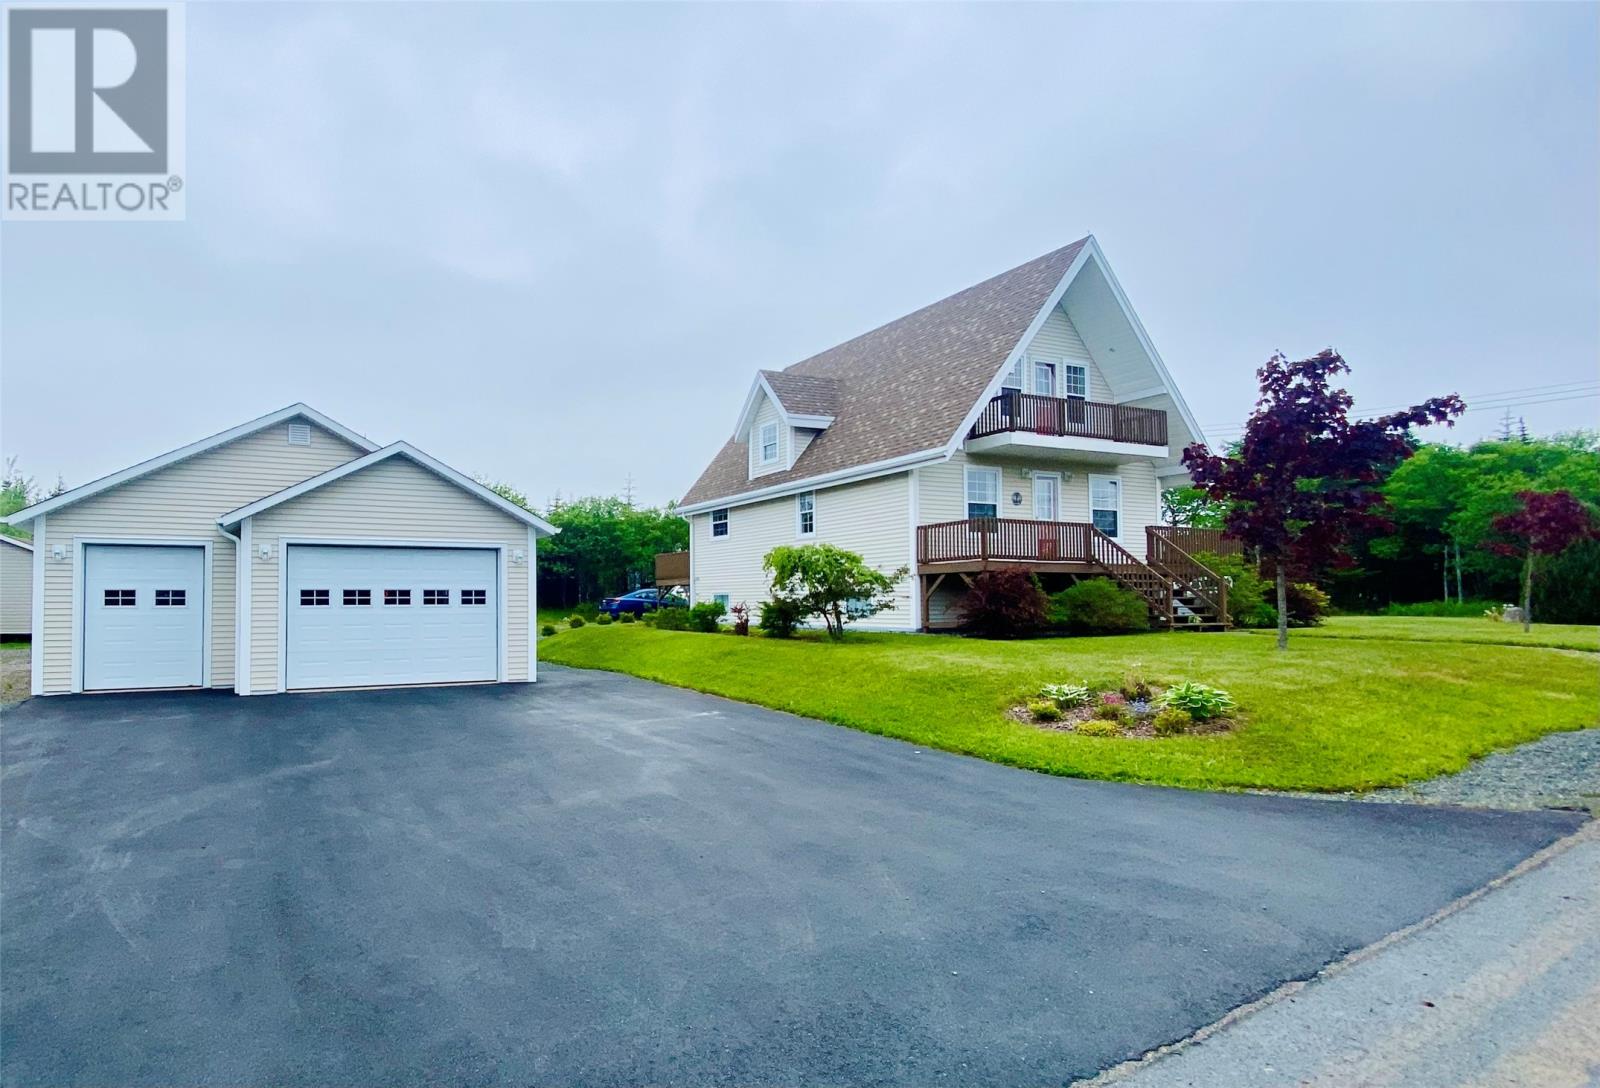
point(1112, 698)
point(1201, 701)
point(1065, 696)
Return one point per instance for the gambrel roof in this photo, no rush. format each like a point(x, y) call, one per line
point(905, 387)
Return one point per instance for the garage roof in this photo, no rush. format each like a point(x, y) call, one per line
point(183, 453)
point(397, 449)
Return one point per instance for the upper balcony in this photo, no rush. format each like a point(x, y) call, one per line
point(1025, 423)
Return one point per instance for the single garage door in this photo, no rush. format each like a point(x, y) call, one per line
point(143, 616)
point(364, 616)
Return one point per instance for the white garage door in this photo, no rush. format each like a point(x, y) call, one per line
point(362, 616)
point(143, 616)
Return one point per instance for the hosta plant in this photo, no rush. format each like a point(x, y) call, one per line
point(1201, 701)
point(1065, 696)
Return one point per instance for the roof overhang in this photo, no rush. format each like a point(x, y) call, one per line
point(15, 543)
point(399, 449)
point(194, 449)
point(827, 479)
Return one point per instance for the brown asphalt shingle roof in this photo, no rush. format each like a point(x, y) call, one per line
point(901, 388)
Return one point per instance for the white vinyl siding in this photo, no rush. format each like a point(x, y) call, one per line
point(393, 500)
point(182, 500)
point(870, 518)
point(16, 589)
point(1058, 342)
point(766, 414)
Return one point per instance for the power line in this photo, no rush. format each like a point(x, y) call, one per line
point(1238, 429)
point(1474, 400)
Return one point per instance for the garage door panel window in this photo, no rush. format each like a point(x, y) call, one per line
point(358, 597)
point(171, 598)
point(397, 596)
point(310, 598)
point(436, 596)
point(474, 596)
point(121, 598)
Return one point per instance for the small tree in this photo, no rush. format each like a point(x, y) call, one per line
point(1305, 474)
point(1547, 524)
point(1005, 603)
point(830, 582)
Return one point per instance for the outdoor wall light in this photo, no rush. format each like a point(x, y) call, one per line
point(58, 551)
point(1016, 498)
point(264, 551)
point(518, 556)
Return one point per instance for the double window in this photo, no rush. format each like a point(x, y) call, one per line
point(121, 598)
point(805, 505)
point(1105, 503)
point(358, 596)
point(719, 522)
point(769, 443)
point(172, 598)
point(983, 492)
point(397, 596)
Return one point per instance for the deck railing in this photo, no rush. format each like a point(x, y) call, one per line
point(1196, 541)
point(1068, 417)
point(1003, 539)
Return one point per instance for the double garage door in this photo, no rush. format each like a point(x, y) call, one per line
point(356, 616)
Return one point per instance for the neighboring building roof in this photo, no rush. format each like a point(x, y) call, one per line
point(397, 449)
point(183, 453)
point(903, 388)
point(804, 394)
point(15, 543)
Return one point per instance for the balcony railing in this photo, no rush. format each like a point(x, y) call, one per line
point(1013, 412)
point(1004, 540)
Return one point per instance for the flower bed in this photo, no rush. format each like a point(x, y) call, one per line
point(1135, 708)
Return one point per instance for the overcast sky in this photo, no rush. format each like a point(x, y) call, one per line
point(551, 244)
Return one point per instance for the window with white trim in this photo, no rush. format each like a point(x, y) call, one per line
point(1105, 503)
point(1075, 382)
point(983, 492)
point(1044, 378)
point(172, 598)
point(805, 506)
point(769, 443)
point(474, 596)
point(313, 597)
point(357, 597)
point(436, 596)
point(719, 522)
point(723, 600)
point(121, 598)
point(1013, 378)
point(397, 596)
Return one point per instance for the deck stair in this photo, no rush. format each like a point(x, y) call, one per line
point(1180, 592)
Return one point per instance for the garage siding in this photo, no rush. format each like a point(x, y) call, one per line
point(392, 500)
point(182, 500)
point(16, 589)
point(871, 518)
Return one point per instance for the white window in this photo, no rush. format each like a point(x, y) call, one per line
point(769, 443)
point(474, 596)
point(1044, 379)
point(983, 492)
point(1105, 503)
point(397, 596)
point(805, 506)
point(436, 596)
point(1013, 378)
point(313, 597)
point(172, 598)
point(1075, 382)
point(121, 598)
point(721, 599)
point(355, 597)
point(719, 522)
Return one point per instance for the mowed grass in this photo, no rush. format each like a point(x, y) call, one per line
point(1440, 629)
point(1333, 713)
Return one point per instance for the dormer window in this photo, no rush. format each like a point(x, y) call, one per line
point(769, 443)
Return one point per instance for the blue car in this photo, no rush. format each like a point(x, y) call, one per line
point(641, 601)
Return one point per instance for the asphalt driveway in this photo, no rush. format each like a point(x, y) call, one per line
point(599, 881)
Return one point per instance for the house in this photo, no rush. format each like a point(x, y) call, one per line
point(285, 553)
point(16, 589)
point(1025, 421)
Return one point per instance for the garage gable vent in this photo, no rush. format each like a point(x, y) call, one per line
point(299, 434)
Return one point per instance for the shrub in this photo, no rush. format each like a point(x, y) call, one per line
point(831, 583)
point(628, 617)
point(1065, 696)
point(741, 618)
point(1171, 720)
point(575, 621)
point(604, 621)
point(779, 618)
point(1442, 608)
point(1044, 711)
point(1135, 688)
point(1112, 698)
point(547, 630)
point(1096, 727)
point(672, 619)
point(1113, 712)
point(1004, 603)
point(1201, 701)
point(1307, 604)
point(705, 616)
point(1099, 606)
point(587, 612)
point(1249, 595)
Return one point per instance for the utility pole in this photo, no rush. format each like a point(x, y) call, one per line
point(1505, 426)
point(627, 492)
point(1522, 430)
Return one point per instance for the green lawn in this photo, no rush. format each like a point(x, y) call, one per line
point(1431, 629)
point(1336, 712)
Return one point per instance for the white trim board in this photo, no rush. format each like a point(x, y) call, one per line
point(397, 449)
point(852, 475)
point(183, 453)
point(80, 621)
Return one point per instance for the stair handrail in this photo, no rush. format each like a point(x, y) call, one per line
point(1193, 573)
point(1114, 556)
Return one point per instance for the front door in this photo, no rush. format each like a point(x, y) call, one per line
point(1046, 496)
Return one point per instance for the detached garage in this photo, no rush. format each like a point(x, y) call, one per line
point(288, 553)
